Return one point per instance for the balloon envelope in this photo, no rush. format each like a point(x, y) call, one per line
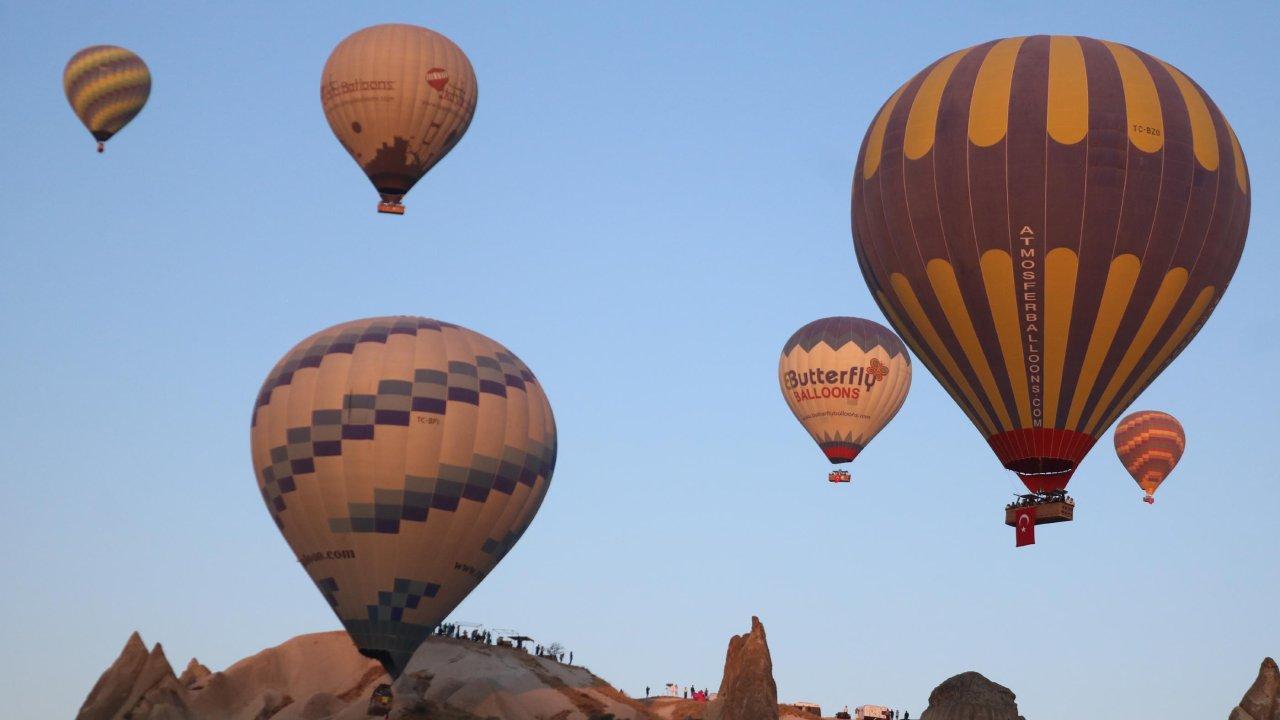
point(398, 97)
point(1048, 221)
point(107, 87)
point(844, 378)
point(1150, 443)
point(401, 458)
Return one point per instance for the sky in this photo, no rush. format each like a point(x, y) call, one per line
point(651, 199)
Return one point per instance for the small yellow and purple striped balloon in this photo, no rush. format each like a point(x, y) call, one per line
point(107, 87)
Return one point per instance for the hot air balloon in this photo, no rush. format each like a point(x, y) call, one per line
point(1047, 222)
point(106, 86)
point(401, 458)
point(844, 378)
point(399, 97)
point(1150, 443)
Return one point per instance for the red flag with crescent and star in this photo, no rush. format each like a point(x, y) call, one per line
point(1026, 525)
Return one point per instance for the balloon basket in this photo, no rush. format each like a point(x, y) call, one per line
point(1149, 500)
point(1053, 508)
point(839, 476)
point(391, 208)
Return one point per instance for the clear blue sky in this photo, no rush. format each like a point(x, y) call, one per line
point(650, 200)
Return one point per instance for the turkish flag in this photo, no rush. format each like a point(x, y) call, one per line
point(1026, 525)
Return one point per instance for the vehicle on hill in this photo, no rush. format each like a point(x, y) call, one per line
point(808, 707)
point(380, 701)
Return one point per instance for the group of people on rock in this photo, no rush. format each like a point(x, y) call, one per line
point(558, 656)
point(453, 631)
point(889, 714)
point(450, 630)
point(476, 635)
point(690, 692)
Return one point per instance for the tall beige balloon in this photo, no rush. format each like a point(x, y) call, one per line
point(399, 97)
point(401, 458)
point(844, 378)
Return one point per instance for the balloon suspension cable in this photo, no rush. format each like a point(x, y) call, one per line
point(101, 146)
point(1044, 473)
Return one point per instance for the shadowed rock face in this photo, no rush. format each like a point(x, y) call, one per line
point(1262, 702)
point(970, 696)
point(747, 691)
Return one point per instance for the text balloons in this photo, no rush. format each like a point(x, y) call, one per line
point(844, 378)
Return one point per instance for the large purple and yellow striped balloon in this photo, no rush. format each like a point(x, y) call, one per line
point(1047, 222)
point(107, 87)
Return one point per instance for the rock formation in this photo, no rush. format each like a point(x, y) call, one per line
point(194, 675)
point(116, 684)
point(491, 681)
point(1262, 702)
point(970, 696)
point(323, 677)
point(747, 690)
point(139, 684)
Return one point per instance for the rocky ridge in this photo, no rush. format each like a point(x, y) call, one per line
point(970, 696)
point(323, 677)
point(1262, 701)
point(747, 689)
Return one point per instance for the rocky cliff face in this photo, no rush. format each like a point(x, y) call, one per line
point(323, 677)
point(139, 684)
point(1262, 702)
point(970, 696)
point(116, 684)
point(747, 691)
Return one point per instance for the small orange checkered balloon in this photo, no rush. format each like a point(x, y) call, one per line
point(1150, 443)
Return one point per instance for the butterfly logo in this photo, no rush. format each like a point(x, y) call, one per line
point(877, 369)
